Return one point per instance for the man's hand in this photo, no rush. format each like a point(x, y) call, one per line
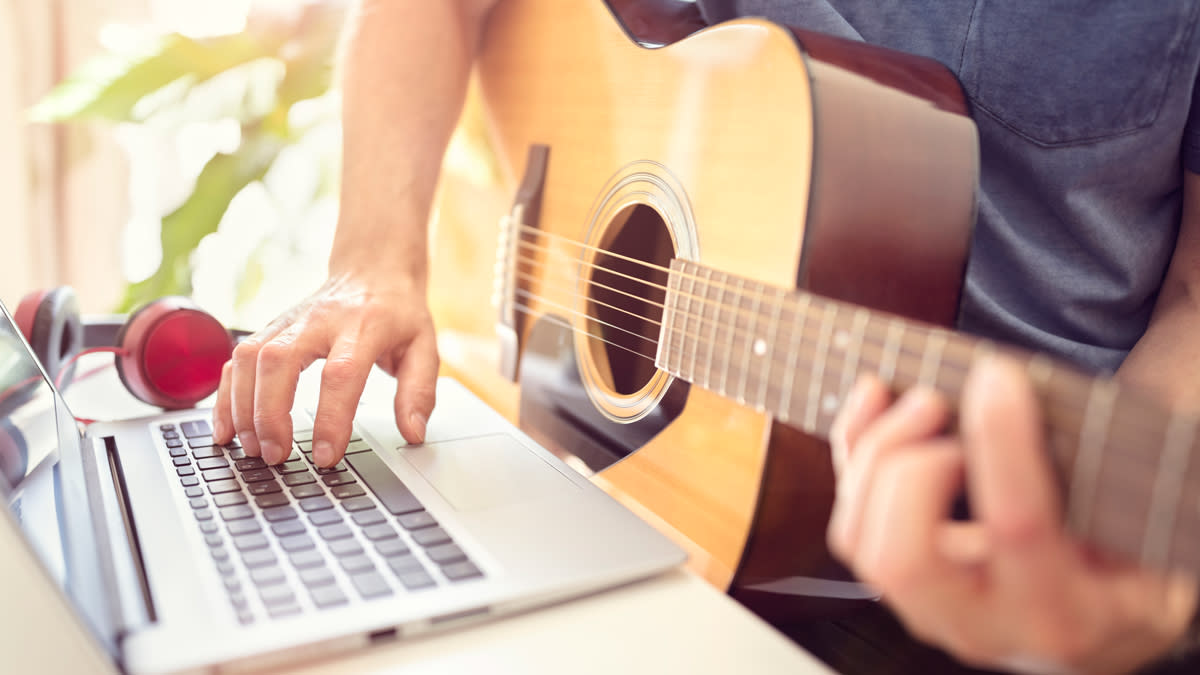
point(1008, 589)
point(353, 323)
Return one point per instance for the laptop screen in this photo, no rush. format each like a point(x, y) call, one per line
point(41, 479)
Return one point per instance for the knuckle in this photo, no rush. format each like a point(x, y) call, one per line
point(275, 354)
point(246, 351)
point(338, 372)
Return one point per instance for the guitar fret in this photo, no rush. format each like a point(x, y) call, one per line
point(931, 360)
point(797, 339)
point(854, 353)
point(769, 358)
point(1089, 455)
point(729, 348)
point(668, 329)
point(701, 318)
point(891, 351)
point(1168, 488)
point(689, 317)
point(712, 342)
point(818, 373)
point(752, 344)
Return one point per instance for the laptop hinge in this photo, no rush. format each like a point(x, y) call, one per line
point(116, 538)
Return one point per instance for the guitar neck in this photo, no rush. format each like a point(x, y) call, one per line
point(1124, 461)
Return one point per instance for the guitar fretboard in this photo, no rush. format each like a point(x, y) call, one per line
point(1124, 461)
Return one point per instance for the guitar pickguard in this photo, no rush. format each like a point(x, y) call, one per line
point(556, 410)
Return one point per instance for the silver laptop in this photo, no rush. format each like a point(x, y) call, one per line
point(142, 545)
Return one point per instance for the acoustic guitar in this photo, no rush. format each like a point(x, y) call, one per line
point(715, 231)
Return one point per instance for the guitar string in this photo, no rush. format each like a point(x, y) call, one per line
point(738, 310)
point(702, 320)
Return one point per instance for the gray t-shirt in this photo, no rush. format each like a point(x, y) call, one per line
point(1084, 111)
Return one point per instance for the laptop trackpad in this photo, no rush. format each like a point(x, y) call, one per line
point(486, 471)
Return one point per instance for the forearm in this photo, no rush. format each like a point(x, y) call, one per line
point(1166, 360)
point(405, 67)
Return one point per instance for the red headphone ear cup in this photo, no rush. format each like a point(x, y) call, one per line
point(172, 353)
point(50, 321)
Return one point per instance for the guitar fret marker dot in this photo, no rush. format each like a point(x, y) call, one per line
point(829, 404)
point(841, 339)
point(760, 347)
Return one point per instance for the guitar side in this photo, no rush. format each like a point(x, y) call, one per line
point(731, 148)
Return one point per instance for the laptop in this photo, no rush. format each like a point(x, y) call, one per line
point(140, 546)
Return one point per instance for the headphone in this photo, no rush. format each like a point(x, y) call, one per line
point(169, 353)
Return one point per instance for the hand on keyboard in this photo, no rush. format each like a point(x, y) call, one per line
point(353, 321)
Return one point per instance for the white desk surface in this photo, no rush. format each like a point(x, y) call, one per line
point(673, 623)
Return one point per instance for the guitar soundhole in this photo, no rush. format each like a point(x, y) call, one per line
point(626, 291)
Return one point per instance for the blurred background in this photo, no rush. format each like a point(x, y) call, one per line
point(172, 147)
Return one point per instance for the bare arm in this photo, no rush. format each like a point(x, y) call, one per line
point(405, 70)
point(1167, 358)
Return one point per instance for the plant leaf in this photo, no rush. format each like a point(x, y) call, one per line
point(222, 178)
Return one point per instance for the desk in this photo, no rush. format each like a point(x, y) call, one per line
point(673, 623)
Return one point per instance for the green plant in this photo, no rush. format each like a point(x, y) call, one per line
point(255, 77)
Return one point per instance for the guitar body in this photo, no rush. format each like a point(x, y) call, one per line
point(738, 148)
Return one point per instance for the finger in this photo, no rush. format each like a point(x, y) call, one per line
point(280, 361)
point(222, 415)
point(241, 393)
point(867, 400)
point(416, 387)
point(343, 379)
point(1010, 481)
point(918, 415)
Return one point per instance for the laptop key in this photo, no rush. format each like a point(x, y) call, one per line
point(327, 517)
point(309, 490)
point(334, 532)
point(279, 513)
point(403, 564)
point(328, 596)
point(430, 536)
point(416, 580)
point(460, 571)
point(217, 474)
point(379, 531)
point(394, 495)
point(316, 576)
point(345, 547)
point(298, 542)
point(182, 461)
point(445, 554)
point(190, 481)
point(177, 451)
point(263, 488)
point(364, 518)
point(335, 479)
point(186, 470)
point(357, 446)
point(259, 557)
point(236, 451)
point(206, 451)
point(294, 479)
point(229, 499)
point(357, 563)
point(236, 512)
point(276, 594)
point(246, 526)
point(267, 576)
point(348, 491)
point(250, 542)
point(212, 463)
point(358, 504)
point(194, 428)
point(209, 527)
point(203, 514)
point(315, 504)
point(336, 468)
point(258, 475)
point(291, 467)
point(306, 559)
point(417, 520)
point(198, 502)
point(390, 548)
point(221, 486)
point(370, 585)
point(194, 492)
point(249, 464)
point(285, 528)
point(268, 500)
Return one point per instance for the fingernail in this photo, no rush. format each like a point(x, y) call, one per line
point(323, 453)
point(271, 452)
point(250, 443)
point(418, 422)
point(219, 430)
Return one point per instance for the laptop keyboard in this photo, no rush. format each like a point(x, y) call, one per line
point(294, 537)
